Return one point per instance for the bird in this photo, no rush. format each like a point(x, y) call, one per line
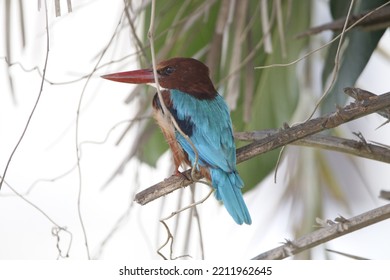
point(204, 117)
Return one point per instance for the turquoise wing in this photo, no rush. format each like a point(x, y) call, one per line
point(207, 123)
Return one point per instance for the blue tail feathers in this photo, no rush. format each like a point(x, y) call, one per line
point(228, 189)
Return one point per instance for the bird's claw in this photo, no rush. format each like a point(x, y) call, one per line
point(182, 174)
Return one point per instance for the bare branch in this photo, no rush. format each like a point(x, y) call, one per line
point(362, 95)
point(289, 135)
point(282, 138)
point(331, 231)
point(333, 143)
point(372, 20)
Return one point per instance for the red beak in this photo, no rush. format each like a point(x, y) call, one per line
point(143, 76)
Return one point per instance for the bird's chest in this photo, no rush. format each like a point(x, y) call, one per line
point(164, 121)
point(168, 130)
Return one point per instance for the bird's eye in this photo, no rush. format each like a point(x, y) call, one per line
point(168, 70)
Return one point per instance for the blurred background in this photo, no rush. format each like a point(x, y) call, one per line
point(91, 144)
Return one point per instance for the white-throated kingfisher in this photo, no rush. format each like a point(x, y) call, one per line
point(202, 114)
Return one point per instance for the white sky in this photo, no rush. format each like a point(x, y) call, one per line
point(48, 150)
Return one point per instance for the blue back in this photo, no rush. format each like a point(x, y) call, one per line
point(207, 123)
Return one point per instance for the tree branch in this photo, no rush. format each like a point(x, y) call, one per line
point(285, 136)
point(332, 143)
point(332, 230)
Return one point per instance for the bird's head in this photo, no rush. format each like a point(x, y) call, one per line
point(185, 74)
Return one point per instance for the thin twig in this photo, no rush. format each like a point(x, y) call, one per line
point(336, 67)
point(339, 227)
point(282, 138)
point(166, 112)
point(71, 169)
point(190, 205)
point(170, 236)
point(139, 46)
point(346, 255)
point(55, 230)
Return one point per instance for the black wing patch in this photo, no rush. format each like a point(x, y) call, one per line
point(186, 124)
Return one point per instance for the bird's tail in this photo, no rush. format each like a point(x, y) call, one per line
point(228, 189)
